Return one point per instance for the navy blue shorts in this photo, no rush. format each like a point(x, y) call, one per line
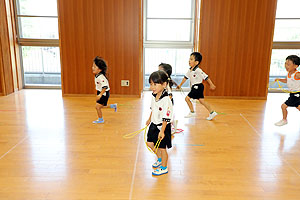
point(197, 91)
point(104, 99)
point(293, 100)
point(153, 132)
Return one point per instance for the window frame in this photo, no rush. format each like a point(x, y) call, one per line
point(163, 43)
point(32, 42)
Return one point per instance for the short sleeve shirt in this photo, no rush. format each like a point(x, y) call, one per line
point(292, 82)
point(196, 75)
point(162, 110)
point(101, 82)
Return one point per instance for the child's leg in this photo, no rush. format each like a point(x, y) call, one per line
point(151, 145)
point(98, 108)
point(163, 169)
point(164, 157)
point(206, 105)
point(284, 111)
point(188, 101)
point(114, 106)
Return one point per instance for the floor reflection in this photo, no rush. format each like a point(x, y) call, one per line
point(46, 133)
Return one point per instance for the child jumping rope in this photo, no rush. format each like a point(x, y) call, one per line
point(196, 76)
point(160, 119)
point(293, 83)
point(99, 69)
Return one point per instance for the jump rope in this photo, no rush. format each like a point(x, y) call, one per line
point(133, 134)
point(281, 88)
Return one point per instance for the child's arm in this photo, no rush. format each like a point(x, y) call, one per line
point(161, 134)
point(101, 93)
point(182, 82)
point(284, 80)
point(211, 84)
point(149, 120)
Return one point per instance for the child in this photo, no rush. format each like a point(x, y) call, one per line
point(196, 76)
point(293, 83)
point(99, 69)
point(160, 119)
point(168, 69)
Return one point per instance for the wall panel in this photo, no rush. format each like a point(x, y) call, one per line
point(111, 29)
point(236, 39)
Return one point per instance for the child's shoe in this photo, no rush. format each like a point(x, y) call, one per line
point(190, 115)
point(160, 171)
point(281, 122)
point(212, 115)
point(156, 164)
point(114, 106)
point(98, 121)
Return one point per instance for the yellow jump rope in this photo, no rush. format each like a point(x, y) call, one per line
point(281, 88)
point(133, 134)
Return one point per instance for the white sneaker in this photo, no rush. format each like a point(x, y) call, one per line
point(156, 164)
point(159, 171)
point(212, 115)
point(281, 122)
point(190, 115)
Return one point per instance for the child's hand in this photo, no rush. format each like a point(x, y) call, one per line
point(178, 87)
point(276, 79)
point(212, 87)
point(148, 122)
point(98, 98)
point(161, 135)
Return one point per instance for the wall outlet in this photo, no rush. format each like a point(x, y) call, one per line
point(125, 83)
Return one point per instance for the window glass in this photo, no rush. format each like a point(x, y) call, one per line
point(169, 9)
point(37, 7)
point(41, 65)
point(38, 27)
point(287, 30)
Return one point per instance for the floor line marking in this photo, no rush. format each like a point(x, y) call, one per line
point(13, 147)
point(134, 169)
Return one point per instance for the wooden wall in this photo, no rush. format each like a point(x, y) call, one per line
point(9, 80)
point(110, 29)
point(236, 40)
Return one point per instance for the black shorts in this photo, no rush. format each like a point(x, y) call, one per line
point(153, 132)
point(197, 91)
point(104, 99)
point(293, 100)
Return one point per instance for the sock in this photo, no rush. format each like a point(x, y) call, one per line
point(159, 159)
point(163, 167)
point(100, 119)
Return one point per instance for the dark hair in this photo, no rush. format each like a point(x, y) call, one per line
point(159, 77)
point(197, 56)
point(168, 69)
point(295, 59)
point(101, 64)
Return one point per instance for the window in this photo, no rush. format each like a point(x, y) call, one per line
point(286, 38)
point(168, 36)
point(37, 23)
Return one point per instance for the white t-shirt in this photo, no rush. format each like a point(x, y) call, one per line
point(101, 82)
point(292, 83)
point(196, 75)
point(162, 110)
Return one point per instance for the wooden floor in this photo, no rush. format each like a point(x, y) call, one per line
point(49, 149)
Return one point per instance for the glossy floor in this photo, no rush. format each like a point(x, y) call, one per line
point(49, 149)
